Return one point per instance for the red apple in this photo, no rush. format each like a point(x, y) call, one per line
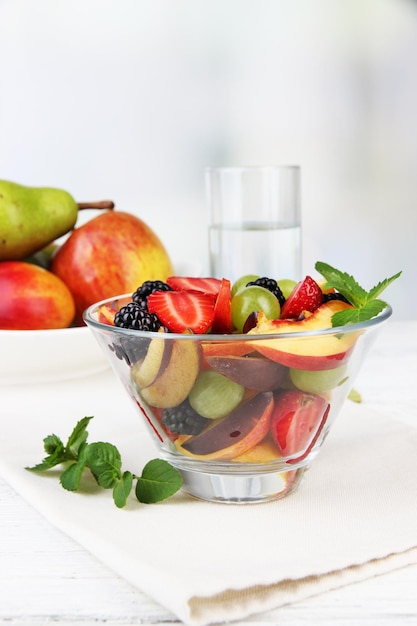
point(32, 298)
point(113, 253)
point(318, 352)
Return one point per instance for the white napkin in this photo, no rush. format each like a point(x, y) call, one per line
point(353, 517)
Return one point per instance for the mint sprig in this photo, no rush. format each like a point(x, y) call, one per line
point(158, 481)
point(366, 304)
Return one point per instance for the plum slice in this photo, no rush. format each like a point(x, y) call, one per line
point(236, 433)
point(253, 372)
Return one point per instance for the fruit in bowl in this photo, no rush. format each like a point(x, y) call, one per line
point(240, 384)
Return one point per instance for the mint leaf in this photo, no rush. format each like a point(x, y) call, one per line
point(366, 304)
point(122, 489)
point(159, 480)
point(78, 436)
point(371, 309)
point(379, 288)
point(356, 315)
point(57, 452)
point(56, 449)
point(52, 444)
point(342, 318)
point(343, 283)
point(105, 463)
point(71, 477)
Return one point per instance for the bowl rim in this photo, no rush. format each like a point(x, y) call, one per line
point(89, 320)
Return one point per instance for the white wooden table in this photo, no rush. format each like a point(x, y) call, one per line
point(47, 578)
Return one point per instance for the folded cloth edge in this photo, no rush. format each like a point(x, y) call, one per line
point(202, 611)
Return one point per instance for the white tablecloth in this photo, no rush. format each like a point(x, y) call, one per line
point(353, 517)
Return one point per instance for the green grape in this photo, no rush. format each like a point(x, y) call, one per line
point(286, 285)
point(250, 299)
point(241, 282)
point(318, 381)
point(213, 395)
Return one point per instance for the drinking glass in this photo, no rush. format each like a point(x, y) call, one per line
point(254, 221)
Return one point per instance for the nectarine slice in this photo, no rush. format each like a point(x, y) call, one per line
point(316, 352)
point(145, 372)
point(264, 452)
point(174, 383)
point(225, 348)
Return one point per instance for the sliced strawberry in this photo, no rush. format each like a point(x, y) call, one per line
point(306, 296)
point(316, 436)
point(191, 283)
point(297, 420)
point(222, 322)
point(183, 310)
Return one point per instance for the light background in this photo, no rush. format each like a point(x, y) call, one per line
point(132, 99)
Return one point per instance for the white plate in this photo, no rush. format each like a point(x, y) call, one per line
point(33, 356)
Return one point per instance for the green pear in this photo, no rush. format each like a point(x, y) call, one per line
point(33, 217)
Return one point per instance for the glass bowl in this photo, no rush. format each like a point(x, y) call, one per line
point(241, 416)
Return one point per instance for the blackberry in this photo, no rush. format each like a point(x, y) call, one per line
point(136, 318)
point(271, 285)
point(182, 419)
point(334, 296)
point(132, 317)
point(140, 296)
point(130, 350)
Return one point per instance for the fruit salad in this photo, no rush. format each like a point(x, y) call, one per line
point(245, 373)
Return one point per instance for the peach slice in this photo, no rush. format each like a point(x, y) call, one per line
point(264, 452)
point(106, 313)
point(318, 352)
point(174, 380)
point(146, 371)
point(253, 372)
point(234, 434)
point(225, 348)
